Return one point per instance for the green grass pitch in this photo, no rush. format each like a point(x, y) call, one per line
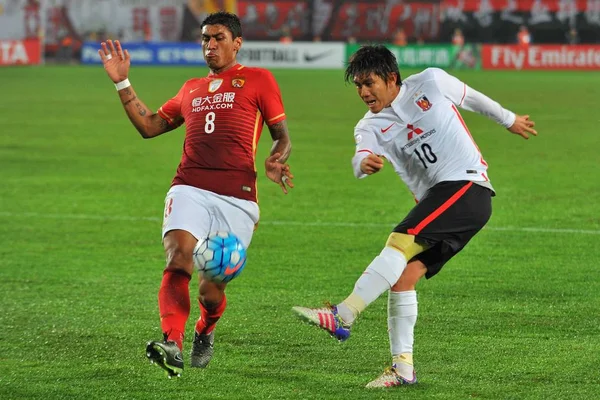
point(514, 316)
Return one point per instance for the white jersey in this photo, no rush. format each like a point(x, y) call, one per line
point(423, 135)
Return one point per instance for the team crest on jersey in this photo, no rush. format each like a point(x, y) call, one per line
point(214, 85)
point(238, 82)
point(423, 103)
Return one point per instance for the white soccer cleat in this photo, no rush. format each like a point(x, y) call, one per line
point(327, 319)
point(391, 378)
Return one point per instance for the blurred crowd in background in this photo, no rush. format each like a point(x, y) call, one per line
point(65, 24)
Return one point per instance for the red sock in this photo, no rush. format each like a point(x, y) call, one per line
point(174, 305)
point(210, 316)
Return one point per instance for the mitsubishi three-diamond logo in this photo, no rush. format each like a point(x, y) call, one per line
point(413, 131)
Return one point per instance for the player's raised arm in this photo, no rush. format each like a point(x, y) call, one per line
point(470, 99)
point(116, 63)
point(275, 165)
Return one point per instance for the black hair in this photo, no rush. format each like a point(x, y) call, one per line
point(227, 19)
point(376, 59)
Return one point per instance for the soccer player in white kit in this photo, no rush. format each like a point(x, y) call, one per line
point(415, 125)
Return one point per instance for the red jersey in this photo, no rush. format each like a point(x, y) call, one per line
point(224, 115)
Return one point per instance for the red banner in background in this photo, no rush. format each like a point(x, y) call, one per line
point(265, 19)
point(376, 20)
point(541, 57)
point(519, 5)
point(379, 21)
point(20, 52)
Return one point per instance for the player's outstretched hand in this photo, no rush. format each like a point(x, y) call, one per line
point(279, 172)
point(116, 60)
point(523, 126)
point(371, 164)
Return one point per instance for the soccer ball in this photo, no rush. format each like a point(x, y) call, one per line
point(220, 257)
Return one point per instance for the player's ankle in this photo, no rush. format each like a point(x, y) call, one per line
point(403, 365)
point(351, 307)
point(346, 313)
point(175, 336)
point(403, 358)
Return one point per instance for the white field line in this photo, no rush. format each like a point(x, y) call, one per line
point(291, 223)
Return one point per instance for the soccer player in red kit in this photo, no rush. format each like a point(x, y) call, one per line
point(215, 184)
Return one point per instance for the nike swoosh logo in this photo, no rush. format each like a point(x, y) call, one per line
point(178, 357)
point(387, 129)
point(193, 90)
point(315, 57)
point(229, 271)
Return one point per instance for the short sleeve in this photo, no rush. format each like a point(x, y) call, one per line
point(171, 110)
point(270, 103)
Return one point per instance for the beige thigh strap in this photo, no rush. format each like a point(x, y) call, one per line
point(405, 244)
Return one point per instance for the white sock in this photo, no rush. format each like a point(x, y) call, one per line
point(402, 318)
point(383, 272)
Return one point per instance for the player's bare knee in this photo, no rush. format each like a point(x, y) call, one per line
point(413, 272)
point(210, 293)
point(405, 244)
point(179, 258)
point(179, 248)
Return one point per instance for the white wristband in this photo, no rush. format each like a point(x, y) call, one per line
point(122, 85)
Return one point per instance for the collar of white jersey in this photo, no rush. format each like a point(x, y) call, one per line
point(396, 104)
point(401, 93)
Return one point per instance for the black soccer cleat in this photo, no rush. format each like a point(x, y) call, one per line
point(202, 349)
point(166, 355)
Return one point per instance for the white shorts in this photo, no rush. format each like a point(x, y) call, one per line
point(201, 212)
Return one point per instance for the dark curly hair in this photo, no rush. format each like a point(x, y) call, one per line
point(227, 19)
